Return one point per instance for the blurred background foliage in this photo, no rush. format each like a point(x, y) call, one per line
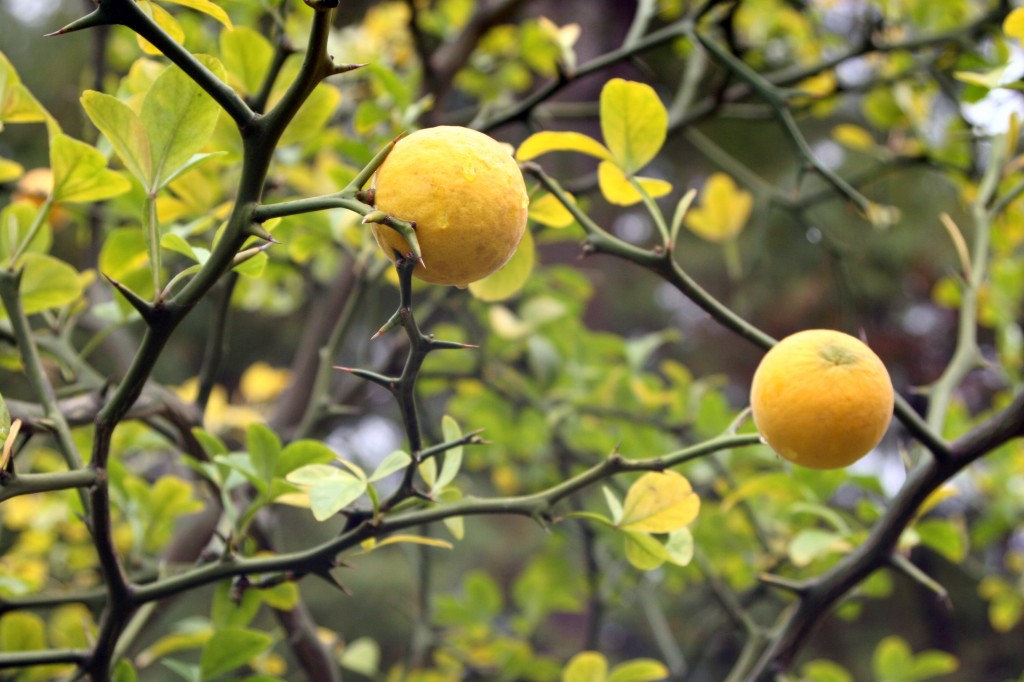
point(592, 355)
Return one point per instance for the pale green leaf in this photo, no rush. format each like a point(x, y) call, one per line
point(314, 473)
point(47, 282)
point(173, 241)
point(614, 505)
point(634, 123)
point(327, 498)
point(679, 547)
point(361, 655)
point(396, 461)
point(822, 670)
point(644, 551)
point(80, 172)
point(549, 141)
point(511, 277)
point(231, 648)
point(812, 543)
point(639, 670)
point(892, 659)
point(16, 220)
point(17, 104)
point(453, 456)
point(588, 666)
point(247, 56)
point(944, 537)
point(124, 129)
point(659, 502)
point(283, 596)
point(372, 544)
point(619, 189)
point(179, 118)
point(933, 663)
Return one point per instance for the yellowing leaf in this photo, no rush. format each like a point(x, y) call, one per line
point(853, 136)
point(723, 210)
point(634, 123)
point(588, 666)
point(618, 189)
point(659, 502)
point(639, 670)
point(549, 211)
point(372, 544)
point(80, 172)
point(551, 141)
point(644, 552)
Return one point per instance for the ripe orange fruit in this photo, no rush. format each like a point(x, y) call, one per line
point(821, 399)
point(466, 195)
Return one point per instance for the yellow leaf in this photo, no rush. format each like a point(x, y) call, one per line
point(551, 141)
point(853, 136)
point(1013, 25)
point(618, 189)
point(166, 21)
point(723, 211)
point(262, 383)
point(634, 123)
point(206, 7)
point(370, 544)
point(937, 497)
point(659, 502)
point(11, 170)
point(549, 211)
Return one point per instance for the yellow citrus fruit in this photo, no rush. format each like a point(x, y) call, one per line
point(466, 195)
point(821, 399)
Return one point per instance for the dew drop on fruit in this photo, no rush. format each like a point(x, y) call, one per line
point(469, 171)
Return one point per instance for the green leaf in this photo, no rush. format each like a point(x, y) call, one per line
point(639, 670)
point(634, 123)
point(822, 670)
point(396, 461)
point(5, 420)
point(283, 597)
point(228, 612)
point(173, 241)
point(206, 7)
point(80, 172)
point(944, 537)
point(618, 188)
point(588, 666)
point(511, 277)
point(892, 660)
point(178, 117)
point(644, 551)
point(124, 130)
point(551, 141)
point(22, 631)
point(124, 671)
point(327, 498)
point(301, 453)
point(231, 648)
point(264, 449)
point(934, 663)
point(361, 655)
point(659, 502)
point(47, 282)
